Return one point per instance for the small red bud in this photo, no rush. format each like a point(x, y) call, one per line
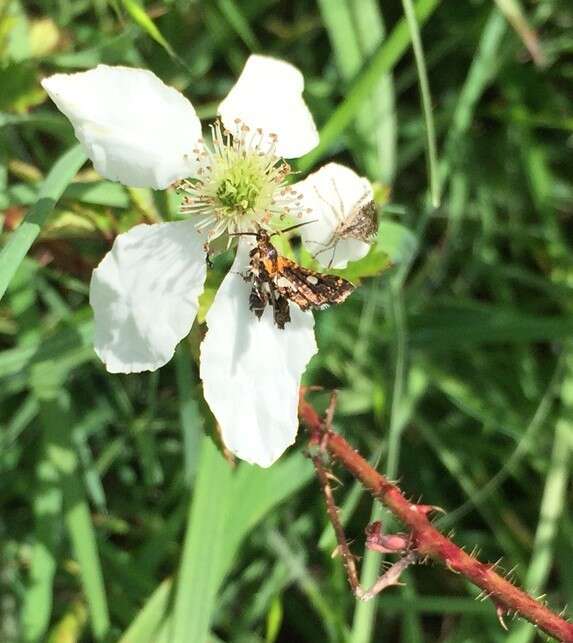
point(376, 540)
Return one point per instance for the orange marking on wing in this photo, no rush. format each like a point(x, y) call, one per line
point(283, 262)
point(269, 265)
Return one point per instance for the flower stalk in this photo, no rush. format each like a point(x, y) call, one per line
point(426, 541)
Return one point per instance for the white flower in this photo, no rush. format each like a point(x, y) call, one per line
point(145, 291)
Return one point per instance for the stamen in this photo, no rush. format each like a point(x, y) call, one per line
point(240, 182)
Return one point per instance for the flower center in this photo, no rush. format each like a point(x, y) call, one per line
point(240, 183)
point(241, 186)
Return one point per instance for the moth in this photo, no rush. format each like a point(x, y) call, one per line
point(277, 280)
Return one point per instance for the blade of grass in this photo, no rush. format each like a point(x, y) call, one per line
point(140, 17)
point(411, 623)
point(356, 30)
point(371, 32)
point(192, 424)
point(22, 238)
point(482, 70)
point(58, 420)
point(47, 507)
point(204, 545)
point(382, 62)
point(151, 617)
point(515, 15)
point(239, 23)
point(330, 617)
point(264, 489)
point(431, 147)
point(113, 195)
point(252, 492)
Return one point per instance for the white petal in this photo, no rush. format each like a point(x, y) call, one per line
point(329, 197)
point(144, 295)
point(268, 96)
point(134, 128)
point(251, 370)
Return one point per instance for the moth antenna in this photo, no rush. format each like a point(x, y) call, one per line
point(293, 227)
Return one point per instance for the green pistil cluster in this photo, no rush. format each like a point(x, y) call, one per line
point(241, 186)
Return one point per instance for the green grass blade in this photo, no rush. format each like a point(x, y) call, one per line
point(515, 15)
point(22, 238)
point(356, 30)
point(330, 618)
point(383, 61)
point(47, 507)
point(239, 23)
point(263, 489)
point(382, 124)
point(140, 17)
point(58, 421)
point(412, 631)
point(482, 70)
point(189, 414)
point(204, 545)
point(252, 493)
point(152, 616)
point(338, 22)
point(431, 147)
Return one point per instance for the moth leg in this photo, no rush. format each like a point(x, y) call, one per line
point(281, 311)
point(257, 301)
point(325, 247)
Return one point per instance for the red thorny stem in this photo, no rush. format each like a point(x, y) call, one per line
point(425, 539)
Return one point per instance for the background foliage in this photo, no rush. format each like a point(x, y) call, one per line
point(119, 520)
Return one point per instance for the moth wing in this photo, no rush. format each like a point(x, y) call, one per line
point(309, 289)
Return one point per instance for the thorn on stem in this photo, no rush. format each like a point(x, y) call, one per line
point(501, 612)
point(331, 476)
point(428, 509)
